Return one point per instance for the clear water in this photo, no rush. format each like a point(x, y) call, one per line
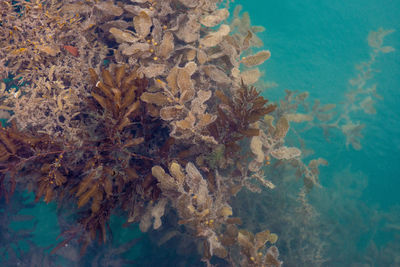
point(315, 46)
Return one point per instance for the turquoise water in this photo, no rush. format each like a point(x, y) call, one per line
point(315, 46)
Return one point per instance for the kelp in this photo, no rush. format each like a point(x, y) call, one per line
point(114, 164)
point(236, 116)
point(141, 109)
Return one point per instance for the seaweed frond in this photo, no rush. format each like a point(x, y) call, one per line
point(236, 115)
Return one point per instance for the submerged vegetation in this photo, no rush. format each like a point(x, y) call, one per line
point(140, 108)
point(361, 97)
point(147, 110)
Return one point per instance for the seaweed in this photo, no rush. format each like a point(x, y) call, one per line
point(110, 154)
point(236, 116)
point(139, 109)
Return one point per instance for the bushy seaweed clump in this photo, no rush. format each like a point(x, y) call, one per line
point(140, 106)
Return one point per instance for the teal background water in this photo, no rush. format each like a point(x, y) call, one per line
point(315, 46)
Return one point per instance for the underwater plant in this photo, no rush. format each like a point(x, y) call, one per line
point(360, 97)
point(142, 108)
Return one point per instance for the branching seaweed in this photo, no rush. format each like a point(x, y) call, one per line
point(141, 108)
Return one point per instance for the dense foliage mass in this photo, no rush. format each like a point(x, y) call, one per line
point(144, 108)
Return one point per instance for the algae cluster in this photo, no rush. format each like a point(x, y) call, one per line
point(143, 108)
